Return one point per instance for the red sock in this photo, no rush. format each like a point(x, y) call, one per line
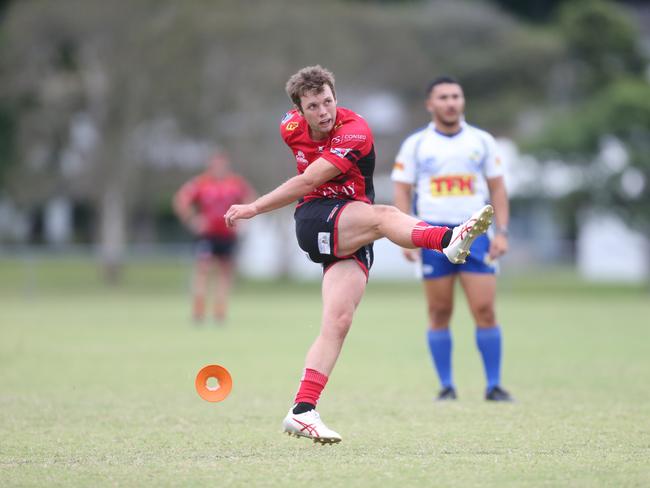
point(311, 386)
point(428, 236)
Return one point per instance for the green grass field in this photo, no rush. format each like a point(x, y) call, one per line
point(97, 387)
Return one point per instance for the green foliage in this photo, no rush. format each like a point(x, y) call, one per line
point(534, 10)
point(7, 148)
point(609, 98)
point(602, 39)
point(622, 110)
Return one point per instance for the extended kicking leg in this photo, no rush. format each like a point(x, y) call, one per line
point(361, 224)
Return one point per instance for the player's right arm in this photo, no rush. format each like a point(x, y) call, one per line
point(291, 190)
point(183, 205)
point(402, 200)
point(403, 176)
point(402, 196)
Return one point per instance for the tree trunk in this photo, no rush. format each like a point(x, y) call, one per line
point(112, 235)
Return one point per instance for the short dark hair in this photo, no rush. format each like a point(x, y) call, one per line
point(441, 80)
point(308, 79)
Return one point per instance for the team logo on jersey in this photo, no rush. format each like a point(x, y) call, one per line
point(453, 185)
point(300, 158)
point(348, 137)
point(287, 117)
point(291, 126)
point(341, 152)
point(475, 156)
point(427, 165)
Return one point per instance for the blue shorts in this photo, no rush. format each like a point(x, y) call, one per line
point(436, 265)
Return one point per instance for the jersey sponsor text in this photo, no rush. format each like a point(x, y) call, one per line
point(452, 185)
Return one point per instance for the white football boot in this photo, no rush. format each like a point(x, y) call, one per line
point(309, 425)
point(464, 235)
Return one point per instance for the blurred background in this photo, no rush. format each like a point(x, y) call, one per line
point(106, 108)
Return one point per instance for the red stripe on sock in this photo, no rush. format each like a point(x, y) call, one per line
point(311, 386)
point(428, 236)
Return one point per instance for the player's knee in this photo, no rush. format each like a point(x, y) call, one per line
point(338, 325)
point(484, 314)
point(439, 316)
point(385, 211)
point(384, 214)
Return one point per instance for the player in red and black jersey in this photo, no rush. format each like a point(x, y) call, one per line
point(337, 222)
point(348, 148)
point(200, 204)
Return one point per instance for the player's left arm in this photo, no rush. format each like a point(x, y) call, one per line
point(291, 190)
point(499, 200)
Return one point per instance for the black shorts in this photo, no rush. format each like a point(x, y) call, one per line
point(218, 247)
point(316, 230)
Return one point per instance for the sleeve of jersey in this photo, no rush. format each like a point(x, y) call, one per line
point(348, 145)
point(493, 166)
point(288, 125)
point(404, 167)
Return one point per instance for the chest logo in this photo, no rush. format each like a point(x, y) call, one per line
point(340, 151)
point(453, 186)
point(300, 157)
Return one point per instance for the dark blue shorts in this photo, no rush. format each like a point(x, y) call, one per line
point(316, 230)
point(436, 265)
point(218, 247)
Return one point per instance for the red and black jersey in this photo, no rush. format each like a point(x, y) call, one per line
point(212, 197)
point(349, 147)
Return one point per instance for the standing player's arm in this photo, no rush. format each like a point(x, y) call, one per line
point(186, 212)
point(403, 197)
point(291, 190)
point(499, 200)
point(403, 201)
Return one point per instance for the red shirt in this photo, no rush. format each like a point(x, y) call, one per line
point(212, 198)
point(349, 147)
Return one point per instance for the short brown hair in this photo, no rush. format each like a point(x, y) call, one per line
point(308, 79)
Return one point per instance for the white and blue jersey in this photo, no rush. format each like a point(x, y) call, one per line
point(449, 174)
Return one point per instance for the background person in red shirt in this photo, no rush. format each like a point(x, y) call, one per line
point(201, 204)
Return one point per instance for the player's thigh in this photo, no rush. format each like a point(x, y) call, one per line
point(224, 255)
point(480, 290)
point(202, 266)
point(439, 293)
point(225, 267)
point(344, 283)
point(357, 226)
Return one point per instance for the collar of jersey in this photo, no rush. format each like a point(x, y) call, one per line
point(450, 136)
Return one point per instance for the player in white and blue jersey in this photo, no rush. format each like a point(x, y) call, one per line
point(443, 173)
